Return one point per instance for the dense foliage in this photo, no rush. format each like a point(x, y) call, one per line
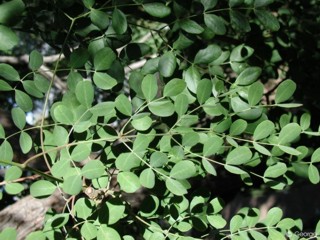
point(156, 98)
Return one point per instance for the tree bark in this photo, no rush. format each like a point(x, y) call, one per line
point(27, 215)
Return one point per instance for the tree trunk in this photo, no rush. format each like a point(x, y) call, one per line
point(27, 215)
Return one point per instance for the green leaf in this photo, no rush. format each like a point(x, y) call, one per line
point(261, 149)
point(123, 105)
point(234, 3)
point(207, 55)
point(285, 91)
point(88, 231)
point(25, 142)
point(103, 59)
point(317, 228)
point(255, 93)
point(235, 223)
point(258, 235)
point(208, 167)
point(18, 117)
point(289, 105)
point(79, 57)
point(182, 42)
point(41, 83)
point(158, 159)
point(58, 220)
point(116, 210)
point(289, 133)
point(149, 206)
point(262, 3)
point(93, 169)
point(191, 26)
point(239, 21)
point(174, 87)
point(119, 21)
point(157, 9)
point(4, 86)
point(42, 189)
point(274, 215)
point(238, 127)
point(35, 60)
point(10, 14)
point(217, 221)
point(147, 178)
point(239, 155)
point(190, 139)
point(181, 104)
point(215, 23)
point(183, 170)
point(149, 87)
point(129, 182)
point(99, 18)
point(289, 150)
point(8, 39)
point(105, 232)
point(127, 161)
point(12, 173)
point(83, 208)
point(141, 122)
point(63, 114)
point(6, 151)
point(276, 170)
point(274, 234)
point(167, 64)
point(209, 4)
point(23, 100)
point(31, 89)
point(192, 78)
point(286, 223)
point(313, 174)
point(8, 72)
point(244, 110)
point(241, 53)
point(2, 132)
point(162, 108)
point(103, 109)
point(176, 187)
point(37, 235)
point(305, 121)
point(315, 156)
point(204, 90)
point(14, 188)
point(81, 152)
point(212, 145)
point(104, 81)
point(85, 93)
point(263, 130)
point(267, 19)
point(8, 233)
point(72, 185)
point(248, 76)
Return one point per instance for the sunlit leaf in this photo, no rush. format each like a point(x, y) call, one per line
point(129, 182)
point(285, 91)
point(42, 188)
point(239, 155)
point(183, 169)
point(93, 169)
